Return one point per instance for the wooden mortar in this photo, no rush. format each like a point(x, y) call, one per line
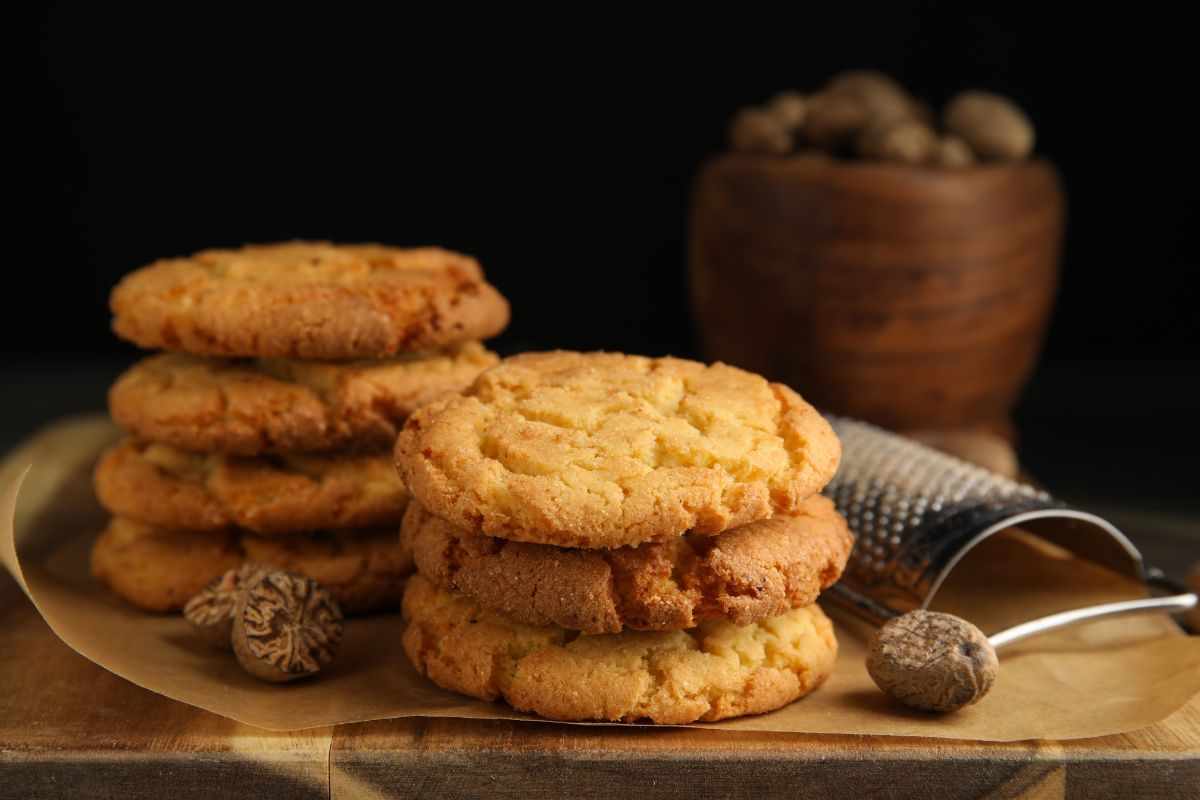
point(911, 297)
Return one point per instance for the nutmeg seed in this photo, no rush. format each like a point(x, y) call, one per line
point(932, 661)
point(210, 611)
point(992, 125)
point(905, 142)
point(754, 130)
point(285, 626)
point(954, 153)
point(789, 108)
point(884, 98)
point(866, 114)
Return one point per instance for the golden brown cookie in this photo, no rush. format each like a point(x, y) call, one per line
point(744, 575)
point(604, 450)
point(312, 300)
point(715, 671)
point(362, 572)
point(157, 569)
point(160, 485)
point(282, 405)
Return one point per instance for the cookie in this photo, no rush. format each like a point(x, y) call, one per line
point(160, 485)
point(362, 572)
point(715, 671)
point(282, 405)
point(157, 569)
point(744, 575)
point(605, 450)
point(311, 300)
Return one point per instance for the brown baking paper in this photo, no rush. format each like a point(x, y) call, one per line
point(1108, 677)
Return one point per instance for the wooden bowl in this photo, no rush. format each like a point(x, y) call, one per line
point(911, 297)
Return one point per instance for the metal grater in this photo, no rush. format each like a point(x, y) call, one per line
point(916, 512)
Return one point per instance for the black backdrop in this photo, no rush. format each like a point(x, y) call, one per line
point(558, 147)
point(560, 151)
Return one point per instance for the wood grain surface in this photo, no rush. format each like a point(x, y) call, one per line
point(70, 729)
point(909, 297)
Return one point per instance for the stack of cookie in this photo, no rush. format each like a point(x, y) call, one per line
point(264, 435)
point(610, 537)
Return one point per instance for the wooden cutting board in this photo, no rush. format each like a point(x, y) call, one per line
point(71, 729)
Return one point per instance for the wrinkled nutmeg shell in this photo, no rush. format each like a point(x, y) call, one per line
point(210, 611)
point(285, 627)
point(932, 661)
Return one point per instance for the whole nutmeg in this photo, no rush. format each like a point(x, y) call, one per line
point(789, 108)
point(754, 130)
point(865, 81)
point(992, 125)
point(932, 661)
point(834, 120)
point(953, 153)
point(906, 142)
point(210, 611)
point(884, 98)
point(285, 626)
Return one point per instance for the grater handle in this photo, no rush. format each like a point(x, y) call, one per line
point(1172, 603)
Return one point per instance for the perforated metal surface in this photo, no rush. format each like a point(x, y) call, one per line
point(914, 511)
point(893, 489)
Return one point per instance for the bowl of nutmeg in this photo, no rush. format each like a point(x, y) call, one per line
point(900, 264)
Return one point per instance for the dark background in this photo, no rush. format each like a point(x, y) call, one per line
point(559, 149)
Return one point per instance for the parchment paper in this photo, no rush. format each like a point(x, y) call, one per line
point(1108, 677)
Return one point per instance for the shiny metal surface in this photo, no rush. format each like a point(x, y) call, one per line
point(1172, 604)
point(916, 512)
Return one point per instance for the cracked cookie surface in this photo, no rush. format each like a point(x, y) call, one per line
point(161, 485)
point(308, 300)
point(282, 405)
point(605, 450)
point(715, 671)
point(747, 574)
point(157, 569)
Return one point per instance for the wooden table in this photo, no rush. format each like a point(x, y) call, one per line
point(71, 729)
